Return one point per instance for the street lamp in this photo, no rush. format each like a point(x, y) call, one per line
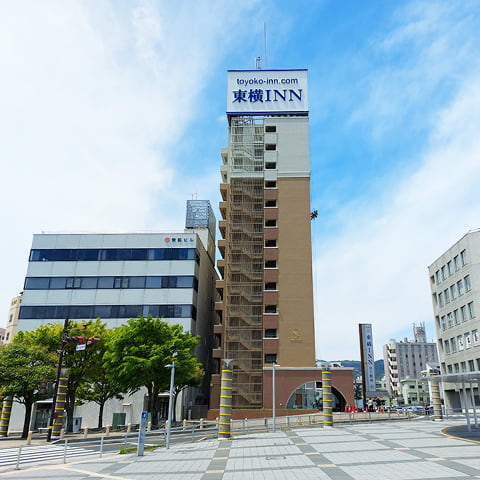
point(170, 401)
point(274, 400)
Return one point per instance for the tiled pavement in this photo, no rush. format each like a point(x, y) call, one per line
point(389, 451)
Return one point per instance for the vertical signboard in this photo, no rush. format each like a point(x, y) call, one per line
point(368, 360)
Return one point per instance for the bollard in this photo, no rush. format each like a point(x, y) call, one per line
point(224, 425)
point(101, 447)
point(244, 424)
point(85, 432)
point(201, 424)
point(327, 398)
point(29, 437)
point(184, 424)
point(149, 426)
point(62, 433)
point(129, 428)
point(65, 452)
point(107, 430)
point(18, 458)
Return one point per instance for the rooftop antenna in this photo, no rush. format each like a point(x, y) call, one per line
point(258, 60)
point(265, 43)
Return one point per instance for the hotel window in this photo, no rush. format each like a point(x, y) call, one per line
point(270, 333)
point(270, 146)
point(453, 292)
point(463, 367)
point(270, 309)
point(270, 203)
point(478, 364)
point(471, 311)
point(468, 285)
point(456, 368)
point(449, 368)
point(437, 277)
point(456, 318)
point(447, 348)
point(271, 223)
point(271, 286)
point(453, 345)
point(449, 268)
point(460, 287)
point(463, 256)
point(271, 358)
point(271, 184)
point(271, 264)
point(460, 344)
point(450, 320)
point(468, 340)
point(440, 299)
point(270, 165)
point(471, 365)
point(271, 128)
point(444, 273)
point(444, 322)
point(456, 262)
point(270, 243)
point(463, 309)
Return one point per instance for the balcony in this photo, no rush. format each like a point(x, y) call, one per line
point(221, 246)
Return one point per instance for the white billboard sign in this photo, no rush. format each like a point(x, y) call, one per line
point(252, 92)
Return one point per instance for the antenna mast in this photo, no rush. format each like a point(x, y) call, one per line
point(265, 43)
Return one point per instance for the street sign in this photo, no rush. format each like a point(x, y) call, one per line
point(81, 346)
point(141, 434)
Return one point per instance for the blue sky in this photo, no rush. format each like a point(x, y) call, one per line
point(113, 115)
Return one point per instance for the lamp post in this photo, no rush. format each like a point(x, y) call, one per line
point(170, 401)
point(274, 399)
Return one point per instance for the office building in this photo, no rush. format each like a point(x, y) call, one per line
point(122, 275)
point(407, 358)
point(455, 286)
point(12, 322)
point(265, 299)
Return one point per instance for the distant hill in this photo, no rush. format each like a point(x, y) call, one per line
point(379, 367)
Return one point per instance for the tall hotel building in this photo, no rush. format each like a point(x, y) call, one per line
point(265, 298)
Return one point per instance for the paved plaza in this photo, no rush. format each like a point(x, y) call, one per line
point(401, 450)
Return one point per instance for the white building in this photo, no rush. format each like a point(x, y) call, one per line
point(120, 276)
point(455, 286)
point(407, 358)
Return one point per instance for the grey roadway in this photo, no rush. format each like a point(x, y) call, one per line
point(402, 450)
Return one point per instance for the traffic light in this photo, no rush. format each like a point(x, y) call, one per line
point(81, 340)
point(70, 339)
point(92, 340)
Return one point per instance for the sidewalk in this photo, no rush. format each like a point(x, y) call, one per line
point(406, 450)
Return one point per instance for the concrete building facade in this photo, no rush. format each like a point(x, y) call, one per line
point(120, 276)
point(265, 297)
point(455, 286)
point(407, 358)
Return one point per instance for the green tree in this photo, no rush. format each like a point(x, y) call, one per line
point(99, 388)
point(22, 368)
point(80, 365)
point(139, 351)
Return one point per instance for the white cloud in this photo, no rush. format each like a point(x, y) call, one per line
point(95, 98)
point(375, 271)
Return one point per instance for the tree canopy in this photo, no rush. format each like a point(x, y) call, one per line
point(139, 352)
point(22, 368)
